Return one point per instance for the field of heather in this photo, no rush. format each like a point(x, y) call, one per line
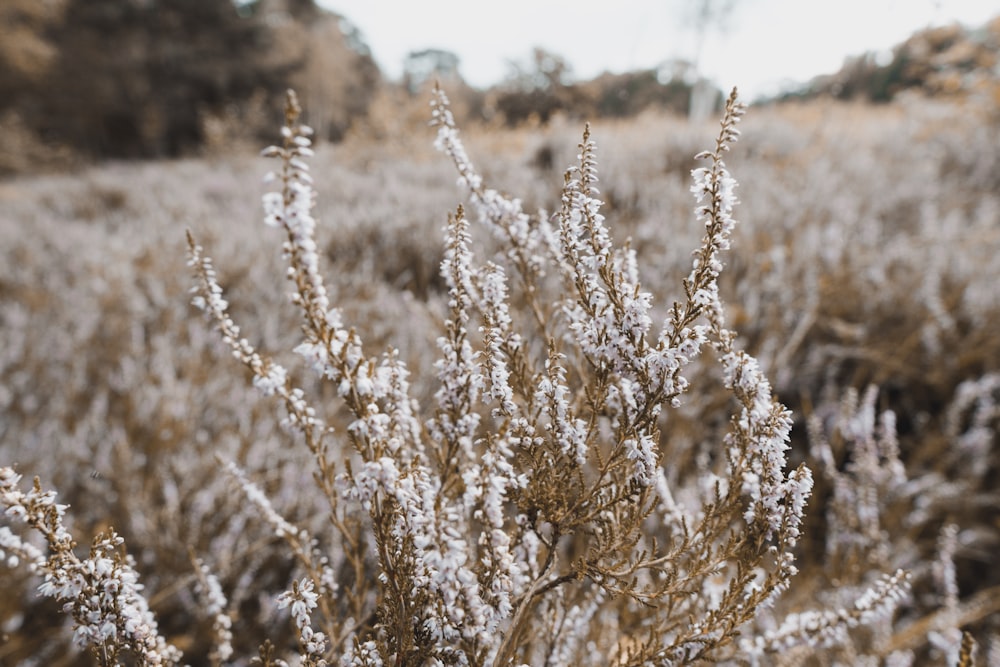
point(862, 277)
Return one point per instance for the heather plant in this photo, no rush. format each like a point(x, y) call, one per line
point(559, 480)
point(539, 469)
point(469, 536)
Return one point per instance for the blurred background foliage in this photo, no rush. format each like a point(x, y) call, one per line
point(149, 78)
point(96, 79)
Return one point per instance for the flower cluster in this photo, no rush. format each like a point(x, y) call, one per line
point(101, 592)
point(215, 606)
point(302, 601)
point(830, 627)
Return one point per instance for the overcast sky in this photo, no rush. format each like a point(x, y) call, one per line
point(764, 43)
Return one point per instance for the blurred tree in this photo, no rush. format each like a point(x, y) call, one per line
point(702, 16)
point(134, 77)
point(623, 95)
point(25, 52)
point(335, 75)
point(152, 78)
point(944, 60)
point(537, 90)
point(545, 71)
point(427, 65)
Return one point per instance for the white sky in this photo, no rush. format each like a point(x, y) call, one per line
point(767, 42)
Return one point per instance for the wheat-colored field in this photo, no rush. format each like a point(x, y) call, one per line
point(863, 276)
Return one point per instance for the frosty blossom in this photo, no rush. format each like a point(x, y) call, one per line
point(829, 627)
point(101, 592)
point(568, 431)
point(13, 550)
point(459, 374)
point(364, 654)
point(281, 527)
point(291, 209)
point(215, 606)
point(302, 600)
point(609, 316)
point(528, 240)
point(497, 338)
point(272, 379)
point(440, 558)
point(269, 377)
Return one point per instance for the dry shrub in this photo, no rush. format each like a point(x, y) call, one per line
point(854, 268)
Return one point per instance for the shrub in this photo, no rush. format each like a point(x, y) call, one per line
point(530, 512)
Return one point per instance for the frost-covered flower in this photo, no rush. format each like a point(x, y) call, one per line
point(210, 591)
point(497, 338)
point(101, 592)
point(302, 600)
